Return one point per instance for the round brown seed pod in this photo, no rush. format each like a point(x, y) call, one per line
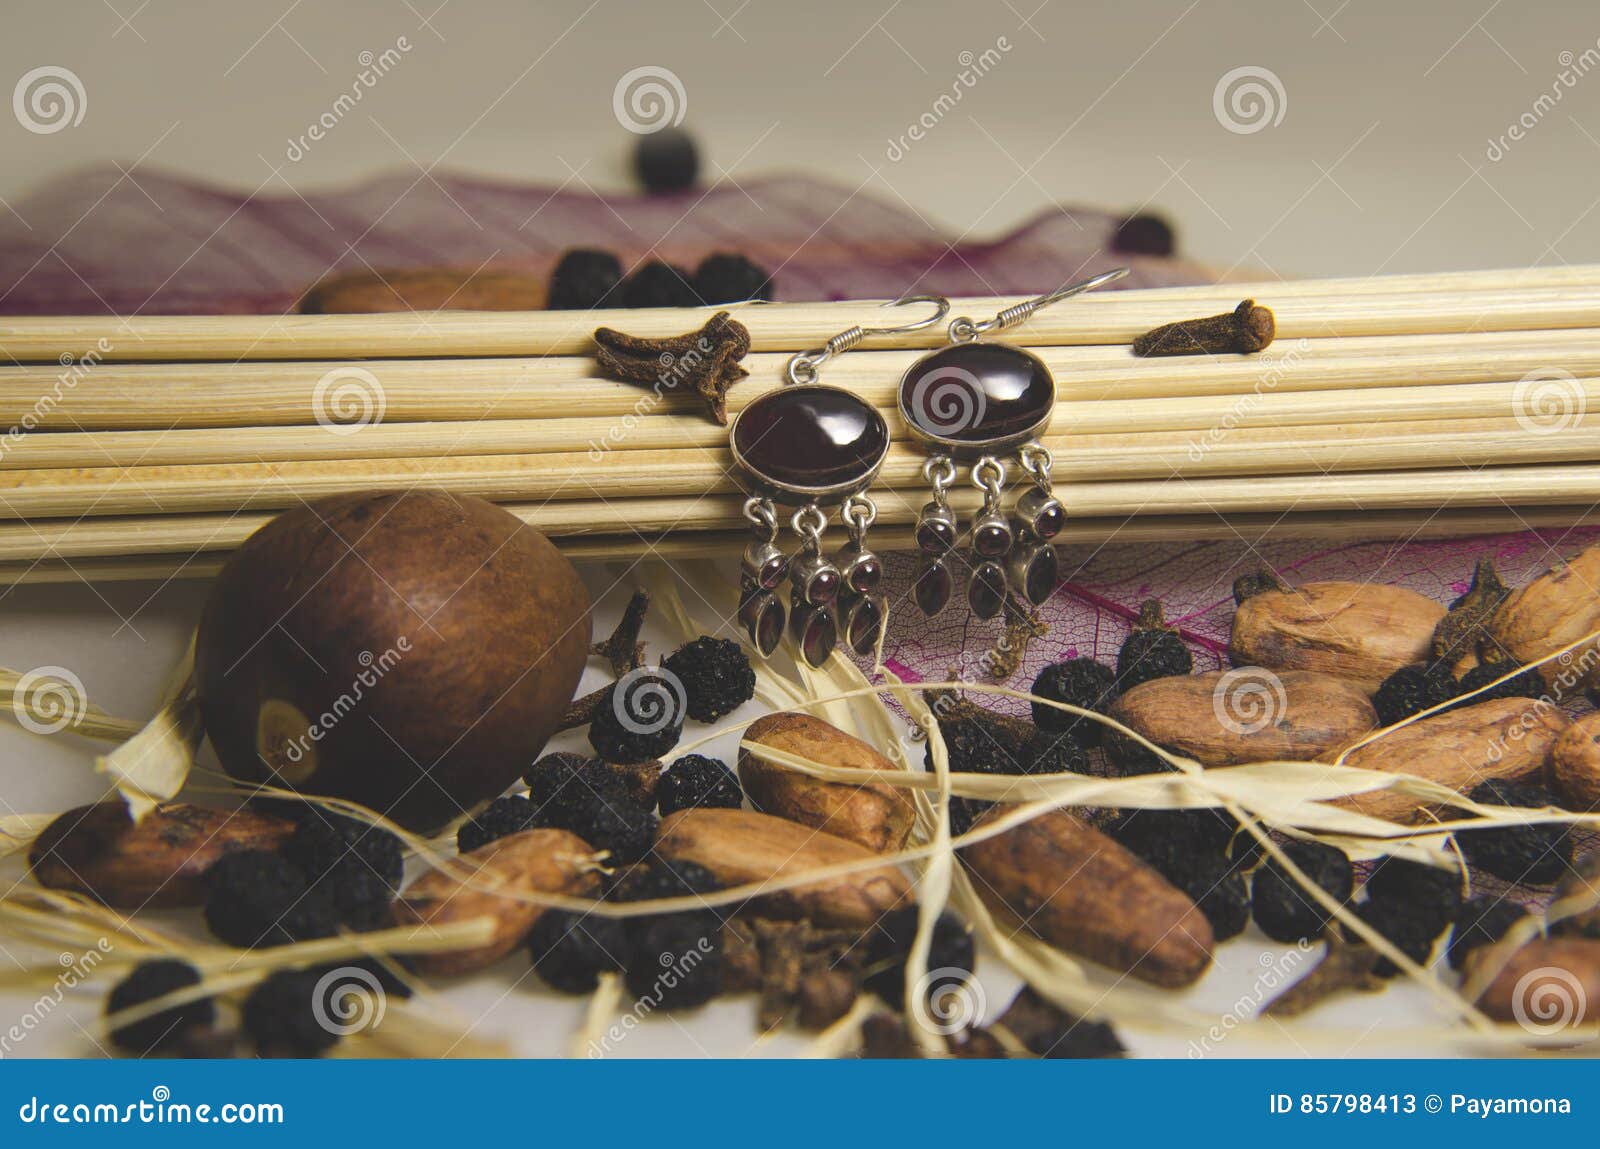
point(1575, 764)
point(408, 651)
point(1551, 612)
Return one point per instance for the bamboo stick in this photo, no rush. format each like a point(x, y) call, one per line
point(1249, 529)
point(1209, 446)
point(1314, 309)
point(168, 397)
point(1354, 495)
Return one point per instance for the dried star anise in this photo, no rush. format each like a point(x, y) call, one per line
point(704, 361)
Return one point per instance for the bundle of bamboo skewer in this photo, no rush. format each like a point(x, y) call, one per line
point(1436, 404)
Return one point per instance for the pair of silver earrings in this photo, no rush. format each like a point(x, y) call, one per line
point(811, 445)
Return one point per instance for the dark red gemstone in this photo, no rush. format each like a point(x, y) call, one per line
point(811, 436)
point(932, 588)
point(1039, 580)
point(865, 575)
point(823, 587)
point(1051, 518)
point(974, 393)
point(761, 615)
point(866, 620)
point(986, 590)
point(774, 570)
point(991, 540)
point(935, 535)
point(816, 632)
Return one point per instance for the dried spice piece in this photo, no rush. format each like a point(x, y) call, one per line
point(1462, 635)
point(704, 361)
point(1359, 631)
point(884, 1037)
point(825, 996)
point(583, 279)
point(1482, 921)
point(741, 957)
point(1023, 625)
point(1053, 1033)
point(1284, 911)
point(1152, 650)
point(716, 675)
point(1548, 984)
point(1411, 690)
point(284, 1017)
point(727, 277)
point(1579, 888)
point(148, 981)
point(1550, 613)
point(1411, 934)
point(1345, 966)
point(1532, 854)
point(1080, 682)
point(1247, 328)
point(570, 951)
point(622, 649)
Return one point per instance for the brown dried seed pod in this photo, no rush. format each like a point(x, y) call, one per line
point(162, 861)
point(1554, 610)
point(1082, 892)
point(506, 869)
point(1506, 739)
point(1575, 764)
point(824, 996)
point(1549, 985)
point(741, 846)
point(873, 814)
point(1360, 631)
point(425, 289)
point(1223, 718)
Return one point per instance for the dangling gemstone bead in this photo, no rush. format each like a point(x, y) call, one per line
point(1041, 514)
point(815, 631)
point(863, 622)
point(1035, 571)
point(936, 529)
point(761, 615)
point(986, 589)
point(863, 570)
point(991, 535)
point(933, 587)
point(765, 565)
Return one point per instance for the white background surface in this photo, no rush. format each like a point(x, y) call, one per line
point(1377, 164)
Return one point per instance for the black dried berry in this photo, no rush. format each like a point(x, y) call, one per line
point(952, 957)
point(583, 279)
point(729, 278)
point(1430, 894)
point(148, 981)
point(663, 878)
point(503, 816)
point(1217, 887)
point(325, 841)
point(1534, 854)
point(1050, 1032)
point(1481, 921)
point(1411, 690)
point(675, 961)
point(1152, 650)
point(1051, 753)
point(570, 951)
point(640, 717)
point(1206, 830)
point(976, 743)
point(1409, 933)
point(256, 898)
point(1144, 234)
point(666, 160)
point(715, 674)
point(284, 1017)
point(613, 822)
point(657, 284)
point(1527, 684)
point(695, 780)
point(1080, 682)
point(1284, 912)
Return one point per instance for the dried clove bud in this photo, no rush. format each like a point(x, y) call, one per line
point(885, 1037)
point(1345, 966)
point(1462, 635)
point(825, 996)
point(1246, 329)
point(704, 361)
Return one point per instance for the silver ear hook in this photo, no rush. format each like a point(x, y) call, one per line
point(965, 330)
point(803, 367)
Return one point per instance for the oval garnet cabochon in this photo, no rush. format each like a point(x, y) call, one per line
point(817, 439)
point(974, 395)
